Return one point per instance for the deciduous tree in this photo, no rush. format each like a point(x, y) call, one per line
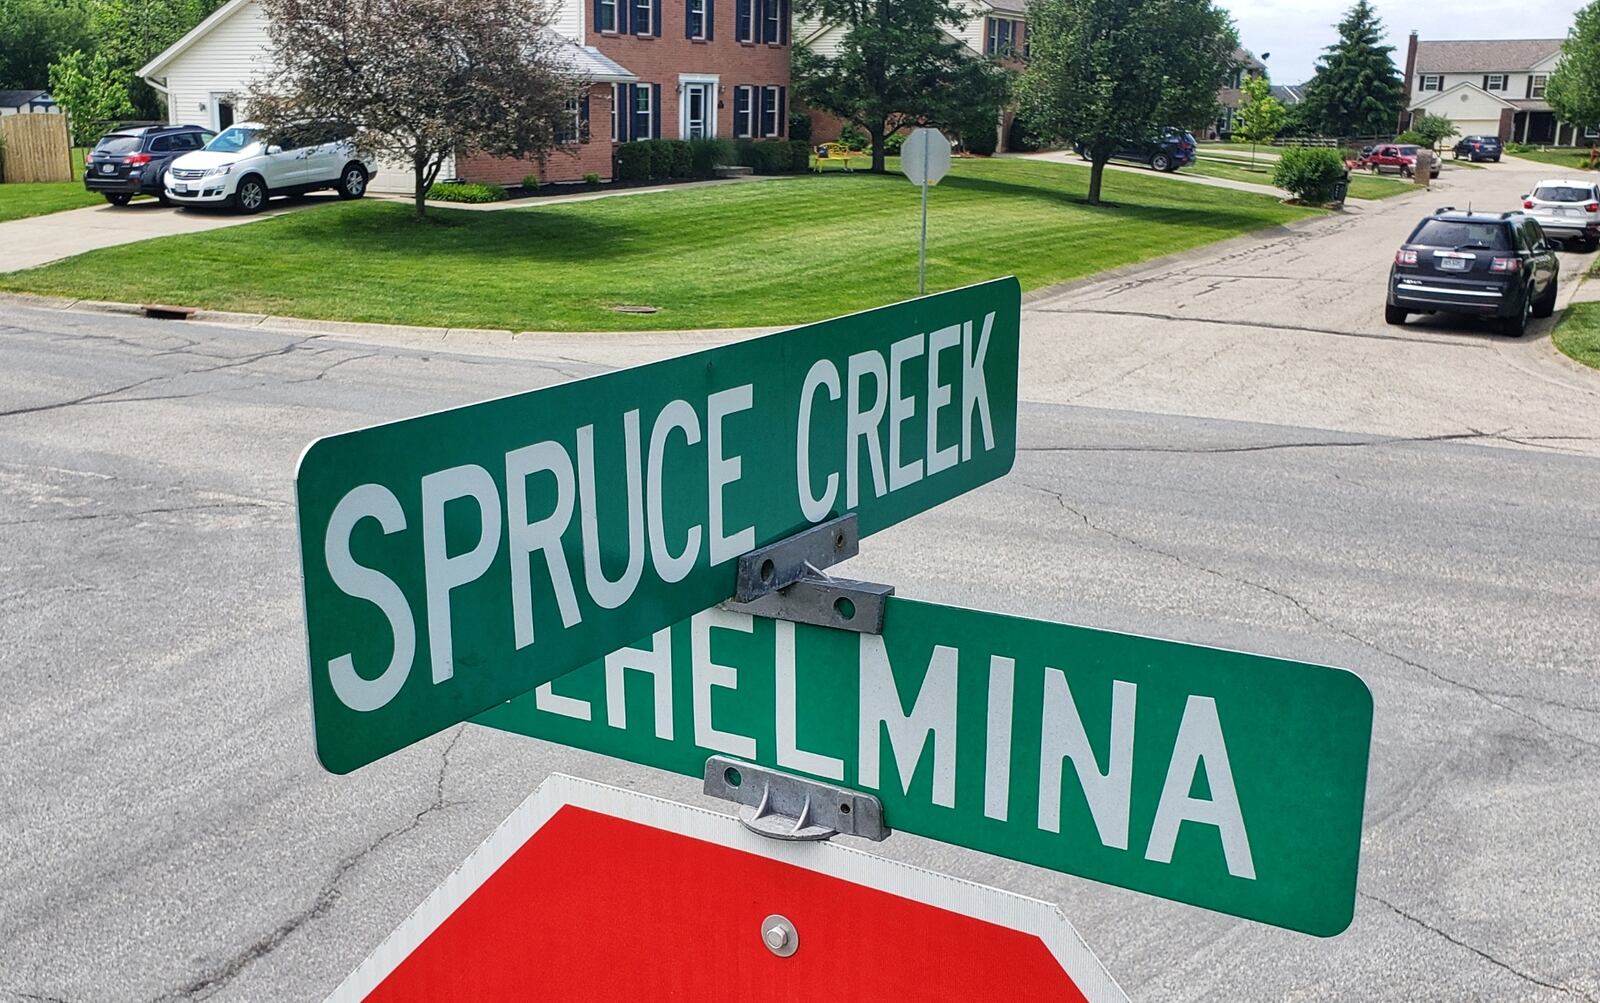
point(1109, 73)
point(897, 66)
point(36, 33)
point(421, 80)
point(1356, 90)
point(1261, 117)
point(93, 93)
point(1574, 87)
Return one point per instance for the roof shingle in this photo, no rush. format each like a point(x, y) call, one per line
point(1488, 56)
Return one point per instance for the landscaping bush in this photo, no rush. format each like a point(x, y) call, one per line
point(660, 158)
point(453, 191)
point(530, 181)
point(1414, 138)
point(893, 142)
point(706, 154)
point(633, 161)
point(800, 126)
point(1309, 173)
point(1515, 148)
point(591, 179)
point(980, 134)
point(680, 159)
point(774, 156)
point(854, 137)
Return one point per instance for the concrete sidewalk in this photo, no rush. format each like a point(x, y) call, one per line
point(38, 240)
point(583, 196)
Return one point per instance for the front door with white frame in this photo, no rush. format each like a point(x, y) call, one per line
point(699, 118)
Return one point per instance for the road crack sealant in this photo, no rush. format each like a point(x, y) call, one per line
point(322, 903)
point(1495, 698)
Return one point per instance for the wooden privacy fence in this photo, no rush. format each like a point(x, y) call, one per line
point(36, 148)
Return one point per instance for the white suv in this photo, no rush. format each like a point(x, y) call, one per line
point(1567, 210)
point(243, 167)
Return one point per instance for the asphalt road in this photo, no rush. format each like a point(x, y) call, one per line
point(165, 832)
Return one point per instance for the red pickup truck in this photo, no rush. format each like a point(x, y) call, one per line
point(1401, 159)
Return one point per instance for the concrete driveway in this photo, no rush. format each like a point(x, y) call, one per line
point(1289, 328)
point(37, 240)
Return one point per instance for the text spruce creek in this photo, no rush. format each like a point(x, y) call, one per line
point(459, 559)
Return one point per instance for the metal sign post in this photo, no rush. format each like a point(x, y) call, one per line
point(924, 159)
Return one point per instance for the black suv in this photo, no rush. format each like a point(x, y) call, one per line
point(1173, 149)
point(1481, 264)
point(132, 160)
point(1476, 148)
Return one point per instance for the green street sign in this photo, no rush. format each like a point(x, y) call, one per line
point(459, 559)
point(1228, 781)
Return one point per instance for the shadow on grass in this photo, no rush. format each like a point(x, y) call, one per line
point(1211, 215)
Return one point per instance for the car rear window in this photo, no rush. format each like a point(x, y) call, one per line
point(1563, 193)
point(1455, 234)
point(117, 145)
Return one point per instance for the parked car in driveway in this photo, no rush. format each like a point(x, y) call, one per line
point(1173, 149)
point(1396, 158)
point(244, 166)
point(1566, 210)
point(133, 161)
point(1476, 148)
point(1494, 265)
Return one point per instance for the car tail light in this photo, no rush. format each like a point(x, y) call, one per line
point(1506, 265)
point(1592, 207)
point(1527, 203)
point(136, 159)
point(1405, 257)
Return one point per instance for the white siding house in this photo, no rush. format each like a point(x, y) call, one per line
point(1491, 87)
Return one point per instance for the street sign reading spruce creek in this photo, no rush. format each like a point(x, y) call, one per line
point(456, 560)
point(1224, 780)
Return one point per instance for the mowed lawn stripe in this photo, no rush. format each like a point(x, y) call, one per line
point(773, 252)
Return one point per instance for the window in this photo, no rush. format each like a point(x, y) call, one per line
point(772, 100)
point(161, 144)
point(643, 17)
point(1536, 85)
point(643, 111)
point(1494, 82)
point(697, 25)
point(1564, 193)
point(573, 120)
point(1457, 235)
point(1432, 82)
point(1002, 38)
point(743, 119)
point(772, 21)
point(619, 92)
point(745, 25)
point(1591, 132)
point(606, 15)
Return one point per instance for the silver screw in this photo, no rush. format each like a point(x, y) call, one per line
point(779, 935)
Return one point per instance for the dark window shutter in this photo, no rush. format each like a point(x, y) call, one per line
point(783, 22)
point(597, 15)
point(761, 119)
point(624, 16)
point(783, 121)
point(1485, 81)
point(711, 19)
point(655, 17)
point(624, 112)
point(759, 12)
point(688, 19)
point(655, 103)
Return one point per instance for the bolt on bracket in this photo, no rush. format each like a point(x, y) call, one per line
point(786, 581)
point(783, 806)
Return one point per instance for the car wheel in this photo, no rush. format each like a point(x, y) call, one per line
point(163, 199)
point(1161, 162)
point(1513, 326)
point(118, 198)
point(353, 182)
point(1547, 303)
point(251, 195)
point(1394, 315)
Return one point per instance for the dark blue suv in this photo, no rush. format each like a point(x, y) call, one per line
point(1476, 148)
point(1173, 149)
point(1498, 266)
point(132, 160)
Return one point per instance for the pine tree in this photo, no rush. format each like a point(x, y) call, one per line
point(1356, 90)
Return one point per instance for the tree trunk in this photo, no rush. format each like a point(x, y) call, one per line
point(419, 165)
point(1097, 171)
point(879, 150)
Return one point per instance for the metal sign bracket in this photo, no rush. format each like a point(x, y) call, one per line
point(786, 581)
point(783, 806)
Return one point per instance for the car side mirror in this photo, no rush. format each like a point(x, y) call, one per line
point(274, 150)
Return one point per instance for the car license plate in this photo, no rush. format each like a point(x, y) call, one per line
point(181, 189)
point(1452, 264)
point(108, 169)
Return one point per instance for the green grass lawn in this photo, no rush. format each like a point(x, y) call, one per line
point(771, 252)
point(1572, 160)
point(1578, 334)
point(21, 200)
point(1362, 186)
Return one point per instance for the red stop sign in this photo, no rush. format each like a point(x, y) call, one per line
point(593, 893)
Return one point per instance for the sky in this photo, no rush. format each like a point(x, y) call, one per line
point(1296, 31)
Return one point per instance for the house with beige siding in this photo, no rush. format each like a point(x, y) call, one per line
point(1493, 87)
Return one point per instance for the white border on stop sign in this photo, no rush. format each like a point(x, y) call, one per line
point(965, 898)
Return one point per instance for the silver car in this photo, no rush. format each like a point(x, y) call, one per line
point(1567, 210)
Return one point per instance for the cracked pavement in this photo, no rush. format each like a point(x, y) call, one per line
point(1424, 510)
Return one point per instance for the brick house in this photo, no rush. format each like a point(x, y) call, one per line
point(658, 69)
